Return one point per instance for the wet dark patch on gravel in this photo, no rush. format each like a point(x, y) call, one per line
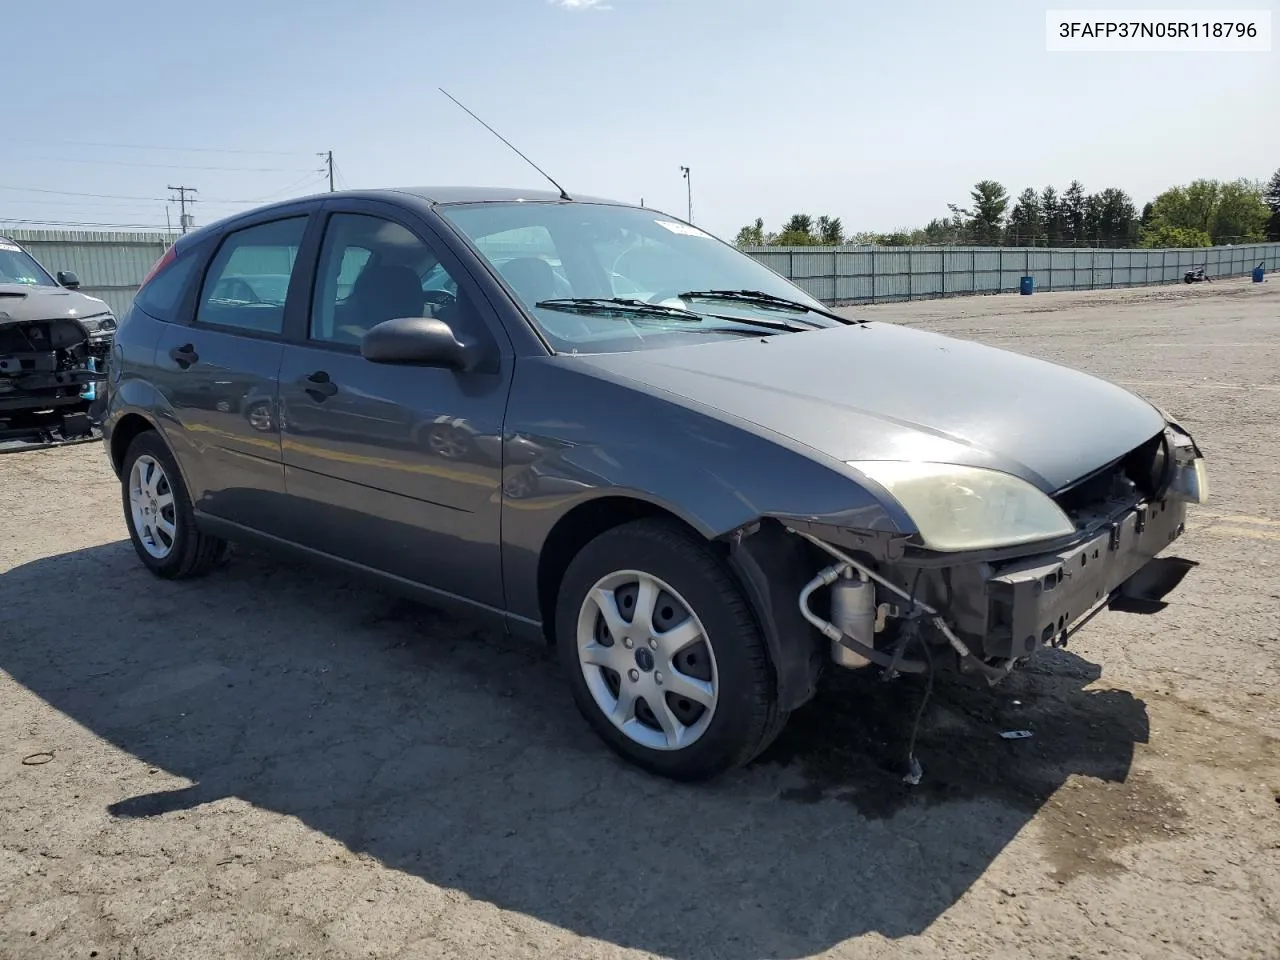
point(851, 744)
point(1089, 820)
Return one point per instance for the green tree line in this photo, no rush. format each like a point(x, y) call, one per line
point(1200, 214)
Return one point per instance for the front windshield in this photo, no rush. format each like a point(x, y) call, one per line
point(555, 251)
point(17, 266)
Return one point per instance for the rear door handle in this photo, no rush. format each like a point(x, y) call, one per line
point(320, 387)
point(184, 356)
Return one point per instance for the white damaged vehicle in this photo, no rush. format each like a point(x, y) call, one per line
point(54, 345)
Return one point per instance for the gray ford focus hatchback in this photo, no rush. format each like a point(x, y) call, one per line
point(596, 425)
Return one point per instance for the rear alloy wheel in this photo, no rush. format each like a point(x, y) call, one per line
point(663, 653)
point(157, 511)
point(151, 504)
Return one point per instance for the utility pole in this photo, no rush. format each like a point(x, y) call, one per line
point(328, 162)
point(684, 171)
point(184, 221)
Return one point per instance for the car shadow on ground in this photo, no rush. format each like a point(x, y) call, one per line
point(457, 756)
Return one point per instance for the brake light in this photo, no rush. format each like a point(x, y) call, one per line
point(165, 259)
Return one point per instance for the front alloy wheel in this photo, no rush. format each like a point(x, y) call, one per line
point(663, 652)
point(646, 660)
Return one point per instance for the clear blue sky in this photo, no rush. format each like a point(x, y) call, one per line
point(879, 113)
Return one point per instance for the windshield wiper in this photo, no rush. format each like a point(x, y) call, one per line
point(790, 326)
point(759, 298)
point(618, 307)
point(624, 308)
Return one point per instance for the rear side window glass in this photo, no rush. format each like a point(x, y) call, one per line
point(163, 293)
point(248, 281)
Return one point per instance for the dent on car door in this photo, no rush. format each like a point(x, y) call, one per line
point(218, 376)
point(395, 467)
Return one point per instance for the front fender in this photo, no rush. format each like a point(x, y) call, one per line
point(594, 439)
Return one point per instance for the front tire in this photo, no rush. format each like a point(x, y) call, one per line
point(157, 511)
point(663, 653)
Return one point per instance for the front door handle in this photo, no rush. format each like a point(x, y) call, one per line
point(184, 356)
point(320, 387)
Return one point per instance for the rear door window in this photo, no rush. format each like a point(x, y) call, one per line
point(247, 283)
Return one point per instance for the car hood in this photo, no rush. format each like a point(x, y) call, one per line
point(21, 302)
point(878, 391)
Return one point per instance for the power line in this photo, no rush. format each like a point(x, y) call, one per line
point(309, 177)
point(86, 223)
point(140, 146)
point(183, 198)
point(44, 202)
point(120, 196)
point(342, 178)
point(166, 166)
point(72, 193)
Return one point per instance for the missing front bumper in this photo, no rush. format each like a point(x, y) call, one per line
point(51, 408)
point(1036, 602)
point(48, 429)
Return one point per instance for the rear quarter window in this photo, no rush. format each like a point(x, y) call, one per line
point(163, 293)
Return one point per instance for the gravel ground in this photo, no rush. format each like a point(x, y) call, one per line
point(275, 762)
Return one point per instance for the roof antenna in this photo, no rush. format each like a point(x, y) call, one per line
point(563, 195)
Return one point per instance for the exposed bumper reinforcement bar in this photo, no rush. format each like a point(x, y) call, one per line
point(1040, 601)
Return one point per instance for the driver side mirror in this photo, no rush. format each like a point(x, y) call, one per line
point(423, 341)
point(68, 279)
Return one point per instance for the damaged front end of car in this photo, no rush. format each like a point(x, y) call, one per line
point(995, 569)
point(49, 376)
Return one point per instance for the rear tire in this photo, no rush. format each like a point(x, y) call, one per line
point(648, 612)
point(157, 511)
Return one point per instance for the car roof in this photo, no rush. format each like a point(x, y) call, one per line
point(434, 196)
point(446, 194)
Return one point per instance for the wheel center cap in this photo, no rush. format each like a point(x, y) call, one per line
point(644, 659)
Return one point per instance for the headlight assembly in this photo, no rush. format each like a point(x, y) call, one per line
point(968, 508)
point(99, 324)
point(1190, 481)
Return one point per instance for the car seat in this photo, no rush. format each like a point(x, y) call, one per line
point(382, 292)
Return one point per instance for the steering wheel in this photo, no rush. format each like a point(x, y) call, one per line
point(441, 298)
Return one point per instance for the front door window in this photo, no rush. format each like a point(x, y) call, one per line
point(373, 270)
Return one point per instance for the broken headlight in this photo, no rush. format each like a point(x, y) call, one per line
point(968, 508)
point(1190, 480)
point(99, 325)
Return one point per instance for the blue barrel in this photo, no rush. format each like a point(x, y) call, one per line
point(1027, 286)
point(1258, 272)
